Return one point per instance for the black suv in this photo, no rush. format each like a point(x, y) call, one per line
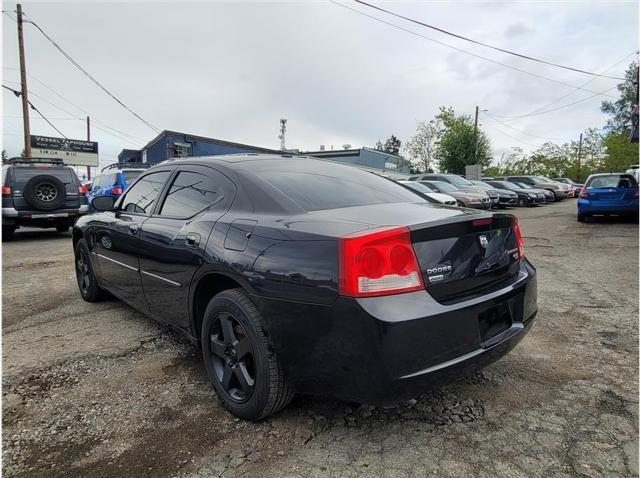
point(301, 275)
point(40, 193)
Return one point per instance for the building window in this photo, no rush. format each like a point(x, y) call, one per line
point(181, 150)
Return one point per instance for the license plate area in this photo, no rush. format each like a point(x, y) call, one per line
point(494, 321)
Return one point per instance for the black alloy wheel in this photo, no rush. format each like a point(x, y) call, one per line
point(87, 282)
point(240, 359)
point(521, 201)
point(232, 357)
point(83, 272)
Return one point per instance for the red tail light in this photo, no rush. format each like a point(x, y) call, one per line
point(82, 189)
point(635, 195)
point(379, 262)
point(519, 240)
point(584, 194)
point(116, 191)
point(6, 191)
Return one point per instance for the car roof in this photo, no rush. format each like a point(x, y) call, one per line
point(609, 174)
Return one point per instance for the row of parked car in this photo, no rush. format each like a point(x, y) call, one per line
point(48, 193)
point(454, 190)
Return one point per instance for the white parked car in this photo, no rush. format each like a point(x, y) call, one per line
point(428, 193)
point(635, 171)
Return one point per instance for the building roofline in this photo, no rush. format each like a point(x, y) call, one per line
point(210, 140)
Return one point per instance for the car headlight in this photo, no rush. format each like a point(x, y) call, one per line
point(531, 195)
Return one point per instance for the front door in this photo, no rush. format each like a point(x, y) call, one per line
point(117, 238)
point(174, 238)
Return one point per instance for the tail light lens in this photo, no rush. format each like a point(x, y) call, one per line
point(519, 240)
point(116, 191)
point(82, 189)
point(379, 262)
point(584, 193)
point(635, 195)
point(6, 191)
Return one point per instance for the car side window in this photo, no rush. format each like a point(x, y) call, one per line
point(95, 185)
point(190, 193)
point(141, 198)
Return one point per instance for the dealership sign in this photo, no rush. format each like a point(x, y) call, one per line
point(75, 152)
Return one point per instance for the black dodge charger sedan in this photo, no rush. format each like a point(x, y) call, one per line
point(296, 274)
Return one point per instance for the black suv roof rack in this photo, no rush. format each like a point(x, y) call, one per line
point(18, 160)
point(134, 165)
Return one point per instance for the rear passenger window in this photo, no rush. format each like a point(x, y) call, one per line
point(141, 198)
point(189, 194)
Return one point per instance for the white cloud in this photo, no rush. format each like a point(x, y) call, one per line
point(231, 70)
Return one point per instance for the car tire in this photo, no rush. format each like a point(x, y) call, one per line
point(85, 276)
point(7, 233)
point(45, 192)
point(62, 227)
point(522, 202)
point(460, 204)
point(582, 217)
point(239, 358)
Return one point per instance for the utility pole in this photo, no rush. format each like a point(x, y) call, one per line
point(475, 136)
point(23, 87)
point(579, 157)
point(88, 139)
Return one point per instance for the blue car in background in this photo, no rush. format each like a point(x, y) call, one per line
point(114, 179)
point(608, 193)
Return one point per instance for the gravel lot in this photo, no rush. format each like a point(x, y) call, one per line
point(100, 390)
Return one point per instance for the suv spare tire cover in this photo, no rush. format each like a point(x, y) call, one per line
point(45, 192)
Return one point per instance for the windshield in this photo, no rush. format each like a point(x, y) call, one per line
point(482, 185)
point(510, 186)
point(459, 181)
point(523, 186)
point(619, 181)
point(543, 179)
point(443, 187)
point(416, 186)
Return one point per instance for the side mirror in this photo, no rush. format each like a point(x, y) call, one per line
point(103, 203)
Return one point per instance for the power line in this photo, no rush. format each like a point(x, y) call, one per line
point(519, 130)
point(539, 111)
point(18, 94)
point(93, 117)
point(88, 75)
point(509, 52)
point(97, 126)
point(464, 51)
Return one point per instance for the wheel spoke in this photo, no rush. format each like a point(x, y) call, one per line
point(227, 329)
point(226, 377)
point(244, 379)
point(243, 348)
point(217, 347)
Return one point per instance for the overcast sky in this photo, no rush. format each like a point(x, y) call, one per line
point(232, 70)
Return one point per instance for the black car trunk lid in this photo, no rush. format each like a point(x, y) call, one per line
point(468, 257)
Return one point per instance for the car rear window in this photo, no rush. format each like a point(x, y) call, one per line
point(317, 191)
point(622, 181)
point(131, 176)
point(22, 174)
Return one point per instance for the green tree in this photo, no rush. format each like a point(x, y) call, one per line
point(459, 145)
point(392, 145)
point(619, 111)
point(620, 154)
point(421, 147)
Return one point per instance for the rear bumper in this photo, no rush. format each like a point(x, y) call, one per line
point(11, 216)
point(586, 206)
point(382, 350)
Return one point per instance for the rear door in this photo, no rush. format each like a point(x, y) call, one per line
point(117, 237)
point(612, 190)
point(173, 239)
